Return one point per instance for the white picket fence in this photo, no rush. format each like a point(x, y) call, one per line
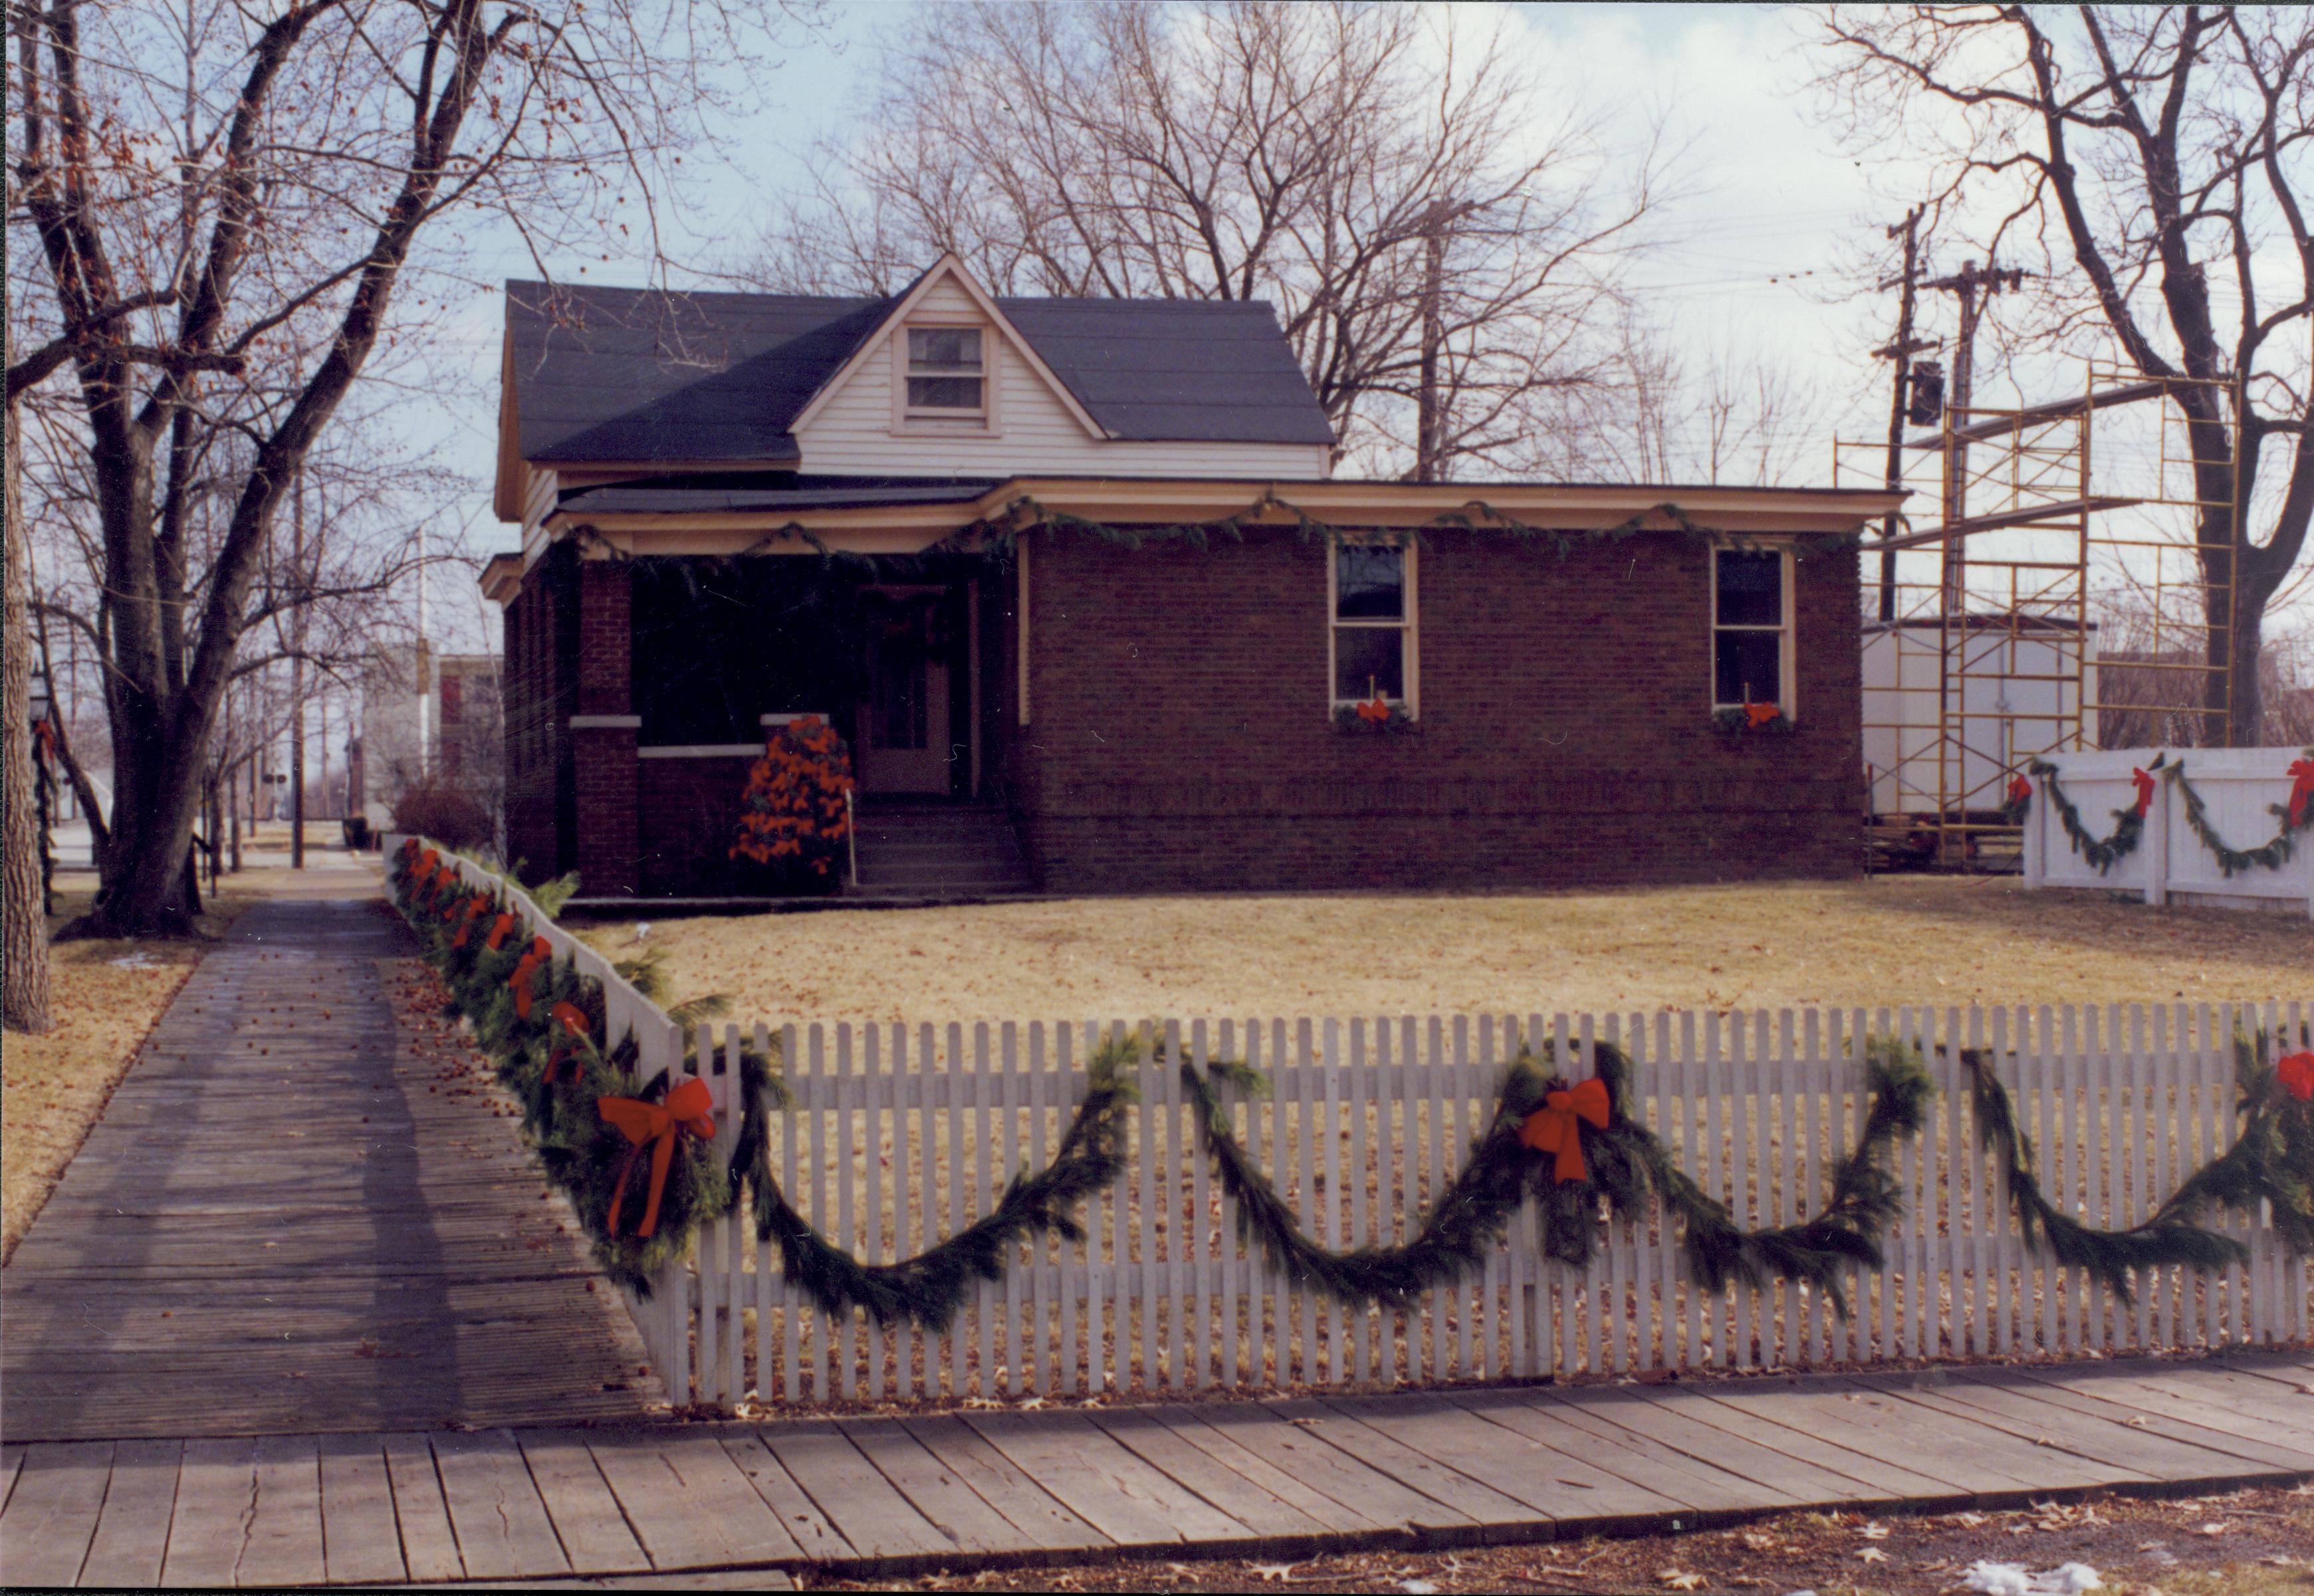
point(2239, 787)
point(900, 1135)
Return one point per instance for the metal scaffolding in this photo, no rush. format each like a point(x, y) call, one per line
point(2038, 597)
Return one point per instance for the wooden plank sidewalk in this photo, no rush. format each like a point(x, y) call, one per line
point(1281, 1478)
point(287, 1221)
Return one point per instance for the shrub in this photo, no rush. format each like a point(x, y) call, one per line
point(793, 819)
point(448, 814)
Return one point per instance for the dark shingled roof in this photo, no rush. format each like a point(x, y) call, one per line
point(637, 374)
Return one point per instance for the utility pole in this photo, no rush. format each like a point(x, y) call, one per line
point(1974, 287)
point(1430, 411)
point(1899, 354)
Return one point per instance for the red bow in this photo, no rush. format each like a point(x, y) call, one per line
point(1552, 1128)
point(497, 938)
point(2301, 790)
point(688, 1107)
point(540, 950)
point(2296, 1070)
point(1759, 715)
point(573, 1020)
point(1375, 710)
point(2019, 790)
point(2144, 779)
point(475, 907)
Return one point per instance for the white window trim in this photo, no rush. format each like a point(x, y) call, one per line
point(1787, 690)
point(1411, 625)
point(924, 420)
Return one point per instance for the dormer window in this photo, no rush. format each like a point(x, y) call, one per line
point(945, 373)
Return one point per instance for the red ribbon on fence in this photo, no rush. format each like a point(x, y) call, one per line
point(497, 938)
point(573, 1020)
point(2021, 790)
point(2144, 780)
point(1555, 1127)
point(540, 950)
point(2301, 789)
point(2296, 1072)
point(475, 906)
point(688, 1107)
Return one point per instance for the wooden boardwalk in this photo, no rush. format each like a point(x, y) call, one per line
point(1276, 1478)
point(278, 1228)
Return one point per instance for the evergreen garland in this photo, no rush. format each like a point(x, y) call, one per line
point(1626, 1162)
point(1024, 514)
point(2272, 1157)
point(2270, 855)
point(580, 1151)
point(2103, 853)
point(927, 1289)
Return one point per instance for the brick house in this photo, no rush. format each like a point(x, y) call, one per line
point(1075, 580)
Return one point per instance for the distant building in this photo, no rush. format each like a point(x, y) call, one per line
point(427, 716)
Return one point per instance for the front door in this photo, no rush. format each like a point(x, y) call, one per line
point(906, 748)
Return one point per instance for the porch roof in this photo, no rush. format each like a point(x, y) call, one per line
point(769, 512)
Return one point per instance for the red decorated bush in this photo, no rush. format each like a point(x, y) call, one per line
point(793, 820)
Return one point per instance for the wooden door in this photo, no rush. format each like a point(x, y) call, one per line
point(906, 747)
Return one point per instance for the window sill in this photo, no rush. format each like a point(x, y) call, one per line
point(1348, 720)
point(1737, 720)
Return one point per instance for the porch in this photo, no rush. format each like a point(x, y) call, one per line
point(675, 669)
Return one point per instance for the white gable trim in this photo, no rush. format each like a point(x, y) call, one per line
point(948, 267)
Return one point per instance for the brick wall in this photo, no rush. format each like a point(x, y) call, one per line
point(603, 776)
point(689, 814)
point(533, 728)
point(1181, 737)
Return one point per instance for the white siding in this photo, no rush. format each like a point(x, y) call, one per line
point(1037, 435)
point(537, 504)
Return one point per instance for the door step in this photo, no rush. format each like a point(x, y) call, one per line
point(939, 851)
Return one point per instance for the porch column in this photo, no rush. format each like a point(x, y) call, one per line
point(602, 734)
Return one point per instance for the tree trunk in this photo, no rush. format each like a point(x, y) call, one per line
point(24, 934)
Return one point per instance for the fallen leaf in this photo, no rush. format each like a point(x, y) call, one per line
point(1679, 1581)
point(1872, 1553)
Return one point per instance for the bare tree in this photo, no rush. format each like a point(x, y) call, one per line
point(1444, 251)
point(23, 921)
point(202, 195)
point(2141, 161)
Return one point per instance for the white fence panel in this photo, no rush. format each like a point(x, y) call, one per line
point(2238, 789)
point(899, 1136)
point(1367, 1120)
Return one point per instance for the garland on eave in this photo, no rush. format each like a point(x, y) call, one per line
point(1024, 514)
point(2272, 1160)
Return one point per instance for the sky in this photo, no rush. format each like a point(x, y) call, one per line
point(1766, 252)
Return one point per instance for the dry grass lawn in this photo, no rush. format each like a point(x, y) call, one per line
point(104, 997)
point(1889, 940)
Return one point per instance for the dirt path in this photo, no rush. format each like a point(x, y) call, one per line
point(290, 1219)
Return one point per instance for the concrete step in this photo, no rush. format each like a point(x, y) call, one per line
point(939, 850)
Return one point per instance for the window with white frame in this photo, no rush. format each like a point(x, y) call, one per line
point(1751, 627)
point(945, 375)
point(1371, 610)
